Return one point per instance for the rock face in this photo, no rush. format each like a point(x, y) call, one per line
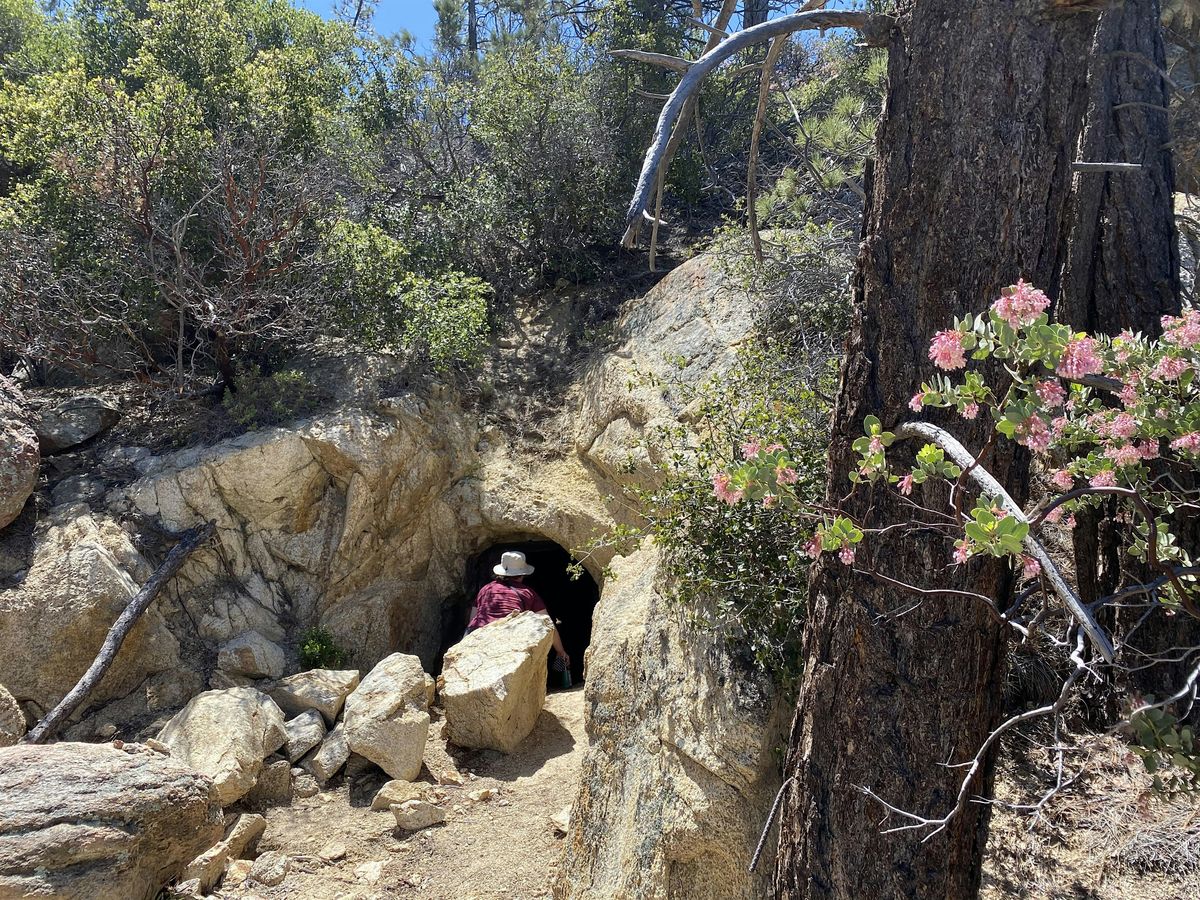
point(226, 735)
point(493, 683)
point(83, 573)
point(19, 461)
point(387, 717)
point(324, 690)
point(89, 821)
point(12, 720)
point(252, 655)
point(681, 770)
point(74, 421)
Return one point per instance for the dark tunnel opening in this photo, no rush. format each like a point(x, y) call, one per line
point(570, 601)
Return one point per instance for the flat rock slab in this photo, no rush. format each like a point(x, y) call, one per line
point(493, 683)
point(304, 732)
point(74, 421)
point(324, 690)
point(87, 821)
point(226, 735)
point(387, 716)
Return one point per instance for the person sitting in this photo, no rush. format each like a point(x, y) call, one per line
point(507, 593)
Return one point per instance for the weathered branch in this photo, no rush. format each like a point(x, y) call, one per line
point(874, 28)
point(53, 720)
point(989, 485)
point(664, 60)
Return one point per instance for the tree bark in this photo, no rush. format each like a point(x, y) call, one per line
point(971, 190)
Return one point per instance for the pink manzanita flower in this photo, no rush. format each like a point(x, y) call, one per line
point(846, 555)
point(1030, 567)
point(1070, 523)
point(750, 449)
point(1128, 395)
point(1054, 515)
point(769, 501)
point(1080, 359)
point(1123, 426)
point(786, 475)
point(1020, 304)
point(970, 411)
point(946, 350)
point(1182, 331)
point(1169, 368)
point(1123, 455)
point(1107, 478)
point(773, 448)
point(812, 547)
point(906, 484)
point(876, 445)
point(917, 403)
point(1187, 443)
point(1051, 393)
point(1148, 450)
point(962, 552)
point(1058, 426)
point(1034, 434)
point(1124, 339)
point(1063, 480)
point(724, 491)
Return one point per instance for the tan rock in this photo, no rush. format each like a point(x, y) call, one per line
point(226, 735)
point(681, 769)
point(324, 690)
point(240, 839)
point(395, 793)
point(333, 851)
point(305, 785)
point(91, 820)
point(19, 460)
point(493, 683)
point(252, 655)
point(12, 720)
point(83, 572)
point(237, 871)
point(304, 732)
point(328, 759)
point(387, 719)
point(271, 868)
point(273, 785)
point(413, 815)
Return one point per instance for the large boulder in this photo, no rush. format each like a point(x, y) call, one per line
point(252, 655)
point(83, 572)
point(681, 767)
point(74, 421)
point(324, 690)
point(91, 822)
point(19, 455)
point(226, 735)
point(12, 720)
point(387, 716)
point(493, 683)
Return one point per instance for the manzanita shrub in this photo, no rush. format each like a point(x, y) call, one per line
point(1104, 417)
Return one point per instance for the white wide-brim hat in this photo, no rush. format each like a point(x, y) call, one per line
point(513, 564)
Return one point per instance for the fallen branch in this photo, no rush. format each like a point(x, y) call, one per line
point(189, 541)
point(874, 28)
point(988, 483)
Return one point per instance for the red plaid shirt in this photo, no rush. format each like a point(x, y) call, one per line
point(497, 599)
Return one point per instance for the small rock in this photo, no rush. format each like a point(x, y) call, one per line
point(303, 733)
point(482, 796)
point(252, 655)
point(324, 690)
point(561, 820)
point(394, 793)
point(270, 868)
point(370, 872)
point(458, 808)
point(413, 815)
point(192, 887)
point(305, 786)
point(328, 759)
point(274, 784)
point(236, 872)
point(108, 729)
point(332, 851)
point(155, 745)
point(502, 803)
point(12, 720)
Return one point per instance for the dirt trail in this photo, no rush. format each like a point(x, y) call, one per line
point(505, 847)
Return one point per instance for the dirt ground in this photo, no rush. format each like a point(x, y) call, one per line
point(505, 847)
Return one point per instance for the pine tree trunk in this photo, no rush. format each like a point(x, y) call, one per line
point(971, 190)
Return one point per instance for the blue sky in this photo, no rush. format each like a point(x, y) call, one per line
point(391, 16)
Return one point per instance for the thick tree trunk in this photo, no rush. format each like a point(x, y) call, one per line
point(754, 12)
point(971, 191)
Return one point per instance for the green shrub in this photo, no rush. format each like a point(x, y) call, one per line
point(263, 400)
point(318, 650)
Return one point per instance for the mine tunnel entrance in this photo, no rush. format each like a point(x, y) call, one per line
point(570, 601)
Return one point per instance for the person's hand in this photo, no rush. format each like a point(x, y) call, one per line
point(566, 659)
